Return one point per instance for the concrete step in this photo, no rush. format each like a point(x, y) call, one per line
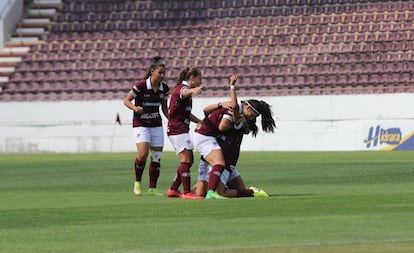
point(8, 64)
point(10, 51)
point(42, 11)
point(22, 40)
point(32, 30)
point(4, 79)
point(35, 22)
point(47, 1)
point(29, 32)
point(7, 70)
point(51, 4)
point(10, 60)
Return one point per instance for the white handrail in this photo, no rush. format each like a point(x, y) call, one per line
point(4, 8)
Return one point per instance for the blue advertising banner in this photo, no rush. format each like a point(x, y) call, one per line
point(389, 139)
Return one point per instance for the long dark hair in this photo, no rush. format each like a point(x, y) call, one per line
point(268, 123)
point(156, 62)
point(186, 73)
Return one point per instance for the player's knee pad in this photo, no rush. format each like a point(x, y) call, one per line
point(156, 156)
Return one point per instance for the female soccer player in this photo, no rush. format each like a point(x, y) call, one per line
point(231, 184)
point(223, 122)
point(148, 94)
point(179, 119)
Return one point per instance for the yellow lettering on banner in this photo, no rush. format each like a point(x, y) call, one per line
point(386, 137)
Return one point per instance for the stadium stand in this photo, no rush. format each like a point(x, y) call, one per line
point(97, 49)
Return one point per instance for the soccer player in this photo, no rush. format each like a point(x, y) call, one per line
point(179, 118)
point(223, 122)
point(231, 184)
point(149, 94)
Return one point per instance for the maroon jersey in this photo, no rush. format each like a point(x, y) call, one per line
point(230, 142)
point(179, 111)
point(145, 97)
point(210, 124)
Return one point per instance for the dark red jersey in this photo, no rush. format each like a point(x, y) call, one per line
point(149, 100)
point(210, 124)
point(179, 111)
point(230, 142)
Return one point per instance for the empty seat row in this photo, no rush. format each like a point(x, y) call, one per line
point(251, 29)
point(284, 8)
point(88, 22)
point(309, 47)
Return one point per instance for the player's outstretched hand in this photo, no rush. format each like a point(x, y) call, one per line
point(233, 79)
point(197, 90)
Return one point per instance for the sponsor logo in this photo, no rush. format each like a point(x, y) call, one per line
point(222, 137)
point(154, 115)
point(379, 136)
point(151, 103)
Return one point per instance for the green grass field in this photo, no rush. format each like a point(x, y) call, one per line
point(320, 202)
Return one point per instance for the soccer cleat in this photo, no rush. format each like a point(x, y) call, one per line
point(137, 188)
point(154, 192)
point(258, 192)
point(190, 195)
point(214, 195)
point(173, 193)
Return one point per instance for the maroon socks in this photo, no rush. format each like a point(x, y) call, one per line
point(154, 173)
point(139, 168)
point(214, 176)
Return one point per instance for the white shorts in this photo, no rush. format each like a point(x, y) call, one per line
point(204, 170)
point(153, 135)
point(205, 144)
point(181, 142)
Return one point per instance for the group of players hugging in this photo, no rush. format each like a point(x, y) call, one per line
point(217, 137)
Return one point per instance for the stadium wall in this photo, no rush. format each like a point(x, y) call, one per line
point(305, 123)
point(8, 18)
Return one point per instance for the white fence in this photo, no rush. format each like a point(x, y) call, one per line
point(305, 123)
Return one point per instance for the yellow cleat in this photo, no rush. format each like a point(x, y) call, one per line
point(137, 188)
point(214, 195)
point(258, 192)
point(154, 192)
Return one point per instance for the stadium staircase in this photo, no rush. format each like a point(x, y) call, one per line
point(36, 21)
point(96, 49)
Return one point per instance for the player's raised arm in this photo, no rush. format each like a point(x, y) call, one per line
point(234, 103)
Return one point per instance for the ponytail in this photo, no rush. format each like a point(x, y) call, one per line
point(156, 62)
point(186, 73)
point(268, 123)
point(264, 109)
